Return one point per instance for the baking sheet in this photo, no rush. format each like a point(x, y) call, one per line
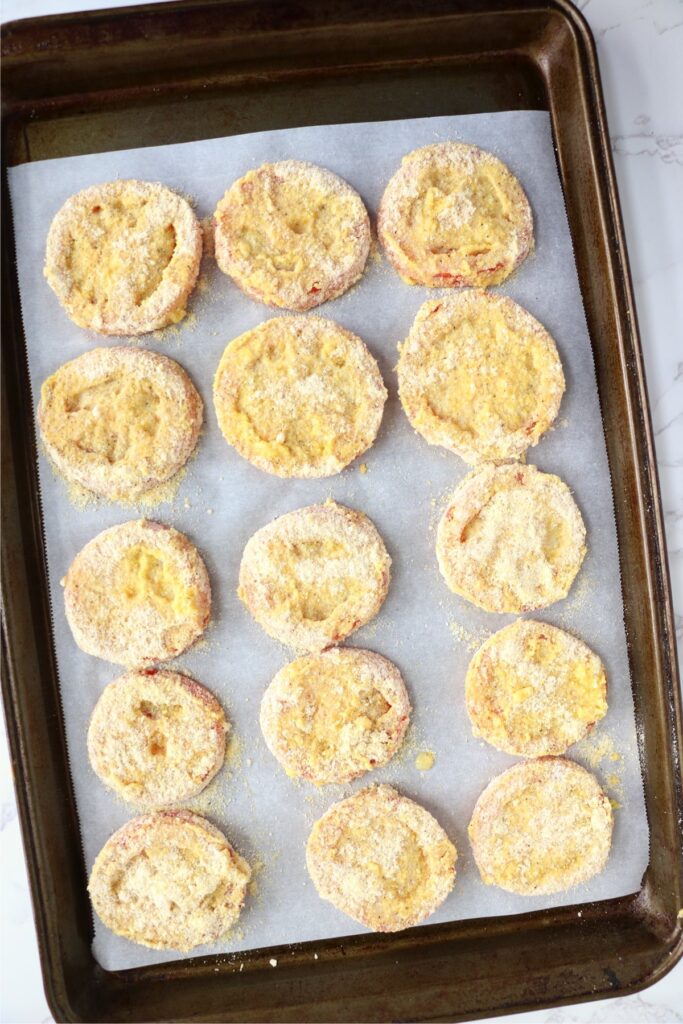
point(430, 633)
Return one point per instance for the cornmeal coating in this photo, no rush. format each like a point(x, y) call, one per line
point(292, 234)
point(313, 576)
point(119, 421)
point(169, 880)
point(137, 594)
point(123, 257)
point(299, 396)
point(541, 827)
point(382, 859)
point(480, 376)
point(533, 689)
point(511, 540)
point(331, 717)
point(454, 215)
point(156, 737)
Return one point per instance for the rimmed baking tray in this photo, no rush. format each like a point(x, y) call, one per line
point(196, 69)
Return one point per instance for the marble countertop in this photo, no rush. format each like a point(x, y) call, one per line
point(640, 47)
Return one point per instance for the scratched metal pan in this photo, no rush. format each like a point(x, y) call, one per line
point(109, 80)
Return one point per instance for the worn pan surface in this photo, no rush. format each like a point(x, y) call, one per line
point(167, 73)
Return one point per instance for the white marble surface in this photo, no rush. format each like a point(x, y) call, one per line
point(640, 46)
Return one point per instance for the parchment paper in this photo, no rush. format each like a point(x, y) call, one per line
point(429, 632)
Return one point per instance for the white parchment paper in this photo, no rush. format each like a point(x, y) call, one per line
point(429, 632)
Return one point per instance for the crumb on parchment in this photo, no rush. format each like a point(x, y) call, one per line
point(424, 761)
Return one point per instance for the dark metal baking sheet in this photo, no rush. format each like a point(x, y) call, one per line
point(196, 69)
